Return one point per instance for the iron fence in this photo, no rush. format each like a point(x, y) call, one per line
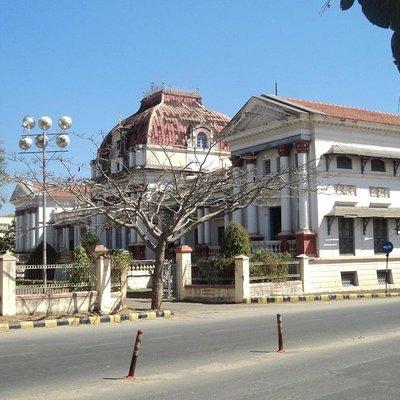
point(291, 273)
point(60, 278)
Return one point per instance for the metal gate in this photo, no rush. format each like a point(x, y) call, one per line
point(169, 279)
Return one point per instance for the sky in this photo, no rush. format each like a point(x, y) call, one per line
point(93, 60)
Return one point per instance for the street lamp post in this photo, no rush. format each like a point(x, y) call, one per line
point(42, 140)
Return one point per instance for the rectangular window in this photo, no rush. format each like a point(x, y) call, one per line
point(349, 278)
point(384, 278)
point(346, 235)
point(278, 164)
point(380, 234)
point(267, 167)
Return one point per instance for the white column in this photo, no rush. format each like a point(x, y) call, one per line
point(37, 236)
point(28, 230)
point(24, 236)
point(200, 228)
point(226, 220)
point(40, 223)
point(33, 230)
point(207, 227)
point(302, 159)
point(286, 215)
point(76, 236)
point(139, 240)
point(123, 237)
point(113, 238)
point(133, 236)
point(236, 215)
point(17, 233)
point(66, 238)
point(251, 210)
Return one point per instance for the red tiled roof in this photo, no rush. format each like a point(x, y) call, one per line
point(166, 116)
point(349, 112)
point(53, 190)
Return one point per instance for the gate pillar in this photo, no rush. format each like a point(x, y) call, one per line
point(183, 269)
point(7, 284)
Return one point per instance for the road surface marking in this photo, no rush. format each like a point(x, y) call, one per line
point(314, 319)
point(97, 345)
point(162, 337)
point(18, 354)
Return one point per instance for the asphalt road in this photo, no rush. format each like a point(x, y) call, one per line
point(343, 350)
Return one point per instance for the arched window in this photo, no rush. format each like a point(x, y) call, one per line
point(202, 140)
point(343, 162)
point(378, 165)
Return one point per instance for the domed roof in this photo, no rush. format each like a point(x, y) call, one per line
point(166, 117)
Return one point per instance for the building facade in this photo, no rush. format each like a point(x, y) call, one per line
point(171, 129)
point(27, 200)
point(349, 201)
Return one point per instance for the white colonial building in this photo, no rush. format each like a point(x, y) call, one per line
point(172, 128)
point(351, 201)
point(27, 199)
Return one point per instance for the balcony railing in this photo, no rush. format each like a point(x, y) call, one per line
point(273, 245)
point(269, 245)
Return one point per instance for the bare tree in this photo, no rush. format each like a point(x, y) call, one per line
point(164, 209)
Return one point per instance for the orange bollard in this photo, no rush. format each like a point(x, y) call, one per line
point(131, 373)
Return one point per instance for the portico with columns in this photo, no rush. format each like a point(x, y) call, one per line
point(271, 138)
point(257, 220)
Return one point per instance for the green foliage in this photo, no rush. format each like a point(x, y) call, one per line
point(7, 242)
point(269, 264)
point(236, 241)
point(121, 259)
point(83, 267)
point(89, 241)
point(213, 271)
point(385, 14)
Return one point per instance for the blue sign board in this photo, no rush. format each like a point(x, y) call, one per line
point(387, 247)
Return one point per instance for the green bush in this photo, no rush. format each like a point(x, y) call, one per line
point(213, 271)
point(89, 241)
point(236, 241)
point(269, 264)
point(83, 268)
point(121, 261)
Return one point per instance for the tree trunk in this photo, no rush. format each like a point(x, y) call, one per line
point(157, 281)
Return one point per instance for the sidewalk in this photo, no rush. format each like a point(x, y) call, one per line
point(189, 309)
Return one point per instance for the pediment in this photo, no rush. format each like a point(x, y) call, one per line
point(259, 112)
point(21, 193)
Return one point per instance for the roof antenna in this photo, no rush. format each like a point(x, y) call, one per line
point(276, 88)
